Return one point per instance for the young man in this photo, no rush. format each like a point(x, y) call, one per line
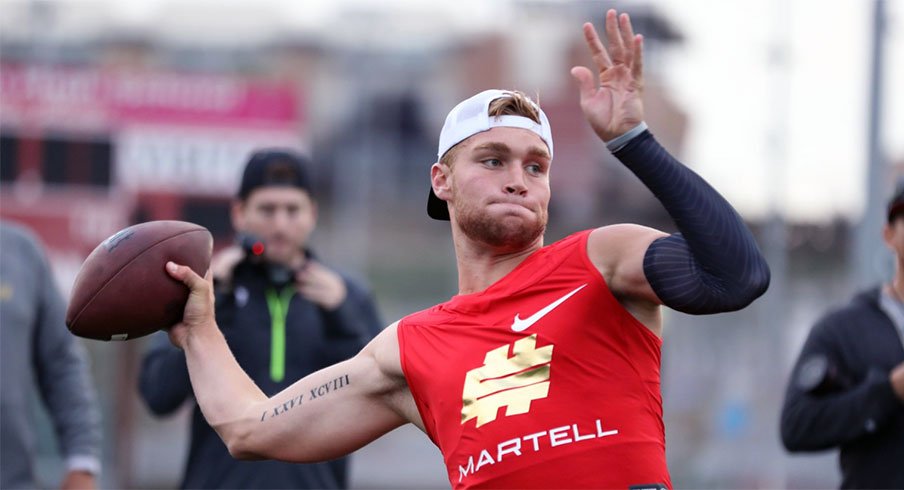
point(847, 387)
point(544, 370)
point(284, 313)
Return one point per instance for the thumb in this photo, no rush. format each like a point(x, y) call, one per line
point(584, 79)
point(185, 275)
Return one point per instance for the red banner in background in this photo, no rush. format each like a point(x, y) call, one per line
point(91, 144)
point(54, 97)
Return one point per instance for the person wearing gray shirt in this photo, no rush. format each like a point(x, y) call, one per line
point(38, 351)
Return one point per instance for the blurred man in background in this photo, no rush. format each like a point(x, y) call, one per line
point(847, 386)
point(38, 351)
point(543, 371)
point(284, 313)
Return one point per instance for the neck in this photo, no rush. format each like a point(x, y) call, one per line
point(480, 265)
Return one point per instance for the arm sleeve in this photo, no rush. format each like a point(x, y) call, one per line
point(713, 265)
point(817, 421)
point(163, 382)
point(64, 379)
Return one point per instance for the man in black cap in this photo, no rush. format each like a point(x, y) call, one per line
point(284, 313)
point(847, 387)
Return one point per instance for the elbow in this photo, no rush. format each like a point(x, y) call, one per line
point(787, 428)
point(790, 440)
point(761, 277)
point(795, 441)
point(241, 446)
point(243, 453)
point(754, 284)
point(158, 408)
point(747, 288)
point(798, 432)
point(156, 402)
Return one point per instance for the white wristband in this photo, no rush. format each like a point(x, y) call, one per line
point(620, 141)
point(83, 462)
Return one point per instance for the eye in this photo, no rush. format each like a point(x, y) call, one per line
point(267, 210)
point(534, 169)
point(492, 162)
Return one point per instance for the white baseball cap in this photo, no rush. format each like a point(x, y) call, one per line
point(471, 116)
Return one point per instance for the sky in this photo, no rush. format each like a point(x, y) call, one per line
point(788, 137)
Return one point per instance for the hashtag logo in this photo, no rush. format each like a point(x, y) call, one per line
point(507, 381)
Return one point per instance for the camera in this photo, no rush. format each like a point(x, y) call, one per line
point(254, 248)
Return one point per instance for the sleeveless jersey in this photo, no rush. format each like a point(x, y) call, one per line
point(543, 380)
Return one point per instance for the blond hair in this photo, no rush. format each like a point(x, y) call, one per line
point(515, 104)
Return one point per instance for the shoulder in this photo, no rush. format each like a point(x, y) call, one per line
point(621, 235)
point(18, 241)
point(842, 318)
point(384, 352)
point(576, 241)
point(610, 247)
point(18, 236)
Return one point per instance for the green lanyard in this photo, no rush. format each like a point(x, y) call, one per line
point(278, 304)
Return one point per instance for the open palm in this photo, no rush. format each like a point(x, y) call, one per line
point(614, 105)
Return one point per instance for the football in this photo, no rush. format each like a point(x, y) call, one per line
point(123, 291)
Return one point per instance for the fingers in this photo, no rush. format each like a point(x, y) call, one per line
point(321, 285)
point(621, 40)
point(616, 45)
point(600, 56)
point(223, 263)
point(626, 31)
point(637, 67)
point(584, 78)
point(186, 275)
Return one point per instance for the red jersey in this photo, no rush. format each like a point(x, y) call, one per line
point(543, 380)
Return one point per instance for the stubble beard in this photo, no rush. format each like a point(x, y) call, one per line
point(508, 233)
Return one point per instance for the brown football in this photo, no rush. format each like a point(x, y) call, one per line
point(123, 291)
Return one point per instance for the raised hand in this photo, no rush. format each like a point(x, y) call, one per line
point(223, 263)
point(320, 285)
point(614, 105)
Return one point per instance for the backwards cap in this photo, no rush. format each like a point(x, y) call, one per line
point(471, 116)
point(275, 167)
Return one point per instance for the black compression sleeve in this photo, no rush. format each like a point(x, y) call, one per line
point(713, 265)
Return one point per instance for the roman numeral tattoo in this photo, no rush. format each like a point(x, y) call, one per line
point(318, 392)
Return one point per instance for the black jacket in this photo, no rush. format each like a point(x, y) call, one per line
point(314, 339)
point(855, 407)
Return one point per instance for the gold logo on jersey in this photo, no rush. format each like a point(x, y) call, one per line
point(503, 381)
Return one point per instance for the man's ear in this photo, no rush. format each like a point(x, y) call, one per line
point(888, 236)
point(441, 180)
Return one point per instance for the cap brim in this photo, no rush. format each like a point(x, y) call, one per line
point(437, 208)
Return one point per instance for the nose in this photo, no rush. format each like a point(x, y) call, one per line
point(515, 184)
point(281, 219)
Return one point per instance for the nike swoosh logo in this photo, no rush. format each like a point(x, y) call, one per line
point(519, 325)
